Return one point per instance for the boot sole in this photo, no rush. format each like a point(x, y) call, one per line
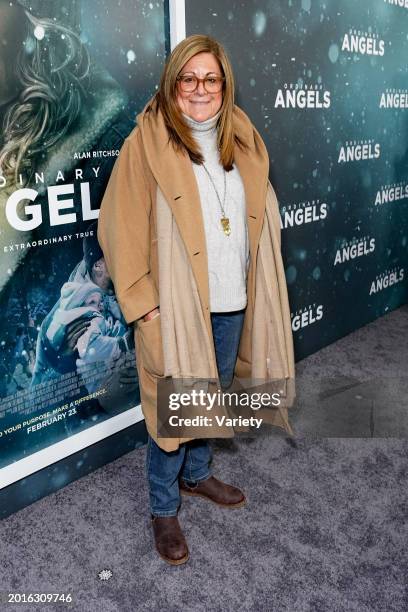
point(236, 505)
point(175, 561)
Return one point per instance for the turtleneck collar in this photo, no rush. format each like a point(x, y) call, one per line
point(202, 126)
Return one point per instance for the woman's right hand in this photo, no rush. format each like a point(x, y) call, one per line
point(150, 315)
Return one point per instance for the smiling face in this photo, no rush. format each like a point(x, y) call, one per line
point(200, 105)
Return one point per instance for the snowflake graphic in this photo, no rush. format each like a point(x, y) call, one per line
point(105, 574)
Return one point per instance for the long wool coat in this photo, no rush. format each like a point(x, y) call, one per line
point(127, 233)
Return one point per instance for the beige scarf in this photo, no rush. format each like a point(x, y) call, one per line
point(188, 352)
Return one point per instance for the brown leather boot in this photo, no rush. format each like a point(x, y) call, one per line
point(218, 492)
point(169, 539)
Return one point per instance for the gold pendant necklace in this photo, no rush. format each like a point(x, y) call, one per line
point(226, 225)
point(225, 222)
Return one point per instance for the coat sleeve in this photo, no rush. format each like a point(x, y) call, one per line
point(124, 232)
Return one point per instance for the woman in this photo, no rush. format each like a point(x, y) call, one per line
point(180, 225)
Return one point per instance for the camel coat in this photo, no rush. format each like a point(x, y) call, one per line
point(127, 233)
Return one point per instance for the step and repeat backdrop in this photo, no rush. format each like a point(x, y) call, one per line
point(73, 75)
point(326, 85)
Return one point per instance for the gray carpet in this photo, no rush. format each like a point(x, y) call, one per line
point(325, 528)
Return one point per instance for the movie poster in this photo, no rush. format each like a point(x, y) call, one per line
point(73, 75)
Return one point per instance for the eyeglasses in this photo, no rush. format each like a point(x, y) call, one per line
point(189, 83)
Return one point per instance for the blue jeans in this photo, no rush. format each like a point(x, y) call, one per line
point(191, 461)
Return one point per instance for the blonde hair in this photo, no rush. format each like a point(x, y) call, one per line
point(166, 98)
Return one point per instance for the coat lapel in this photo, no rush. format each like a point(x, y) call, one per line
point(175, 176)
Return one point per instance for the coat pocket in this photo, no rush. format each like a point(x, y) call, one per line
point(151, 347)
